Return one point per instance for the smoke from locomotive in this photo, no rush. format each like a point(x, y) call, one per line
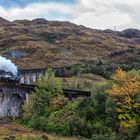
point(8, 66)
point(8, 70)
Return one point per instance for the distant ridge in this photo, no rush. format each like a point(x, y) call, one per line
point(3, 21)
point(41, 43)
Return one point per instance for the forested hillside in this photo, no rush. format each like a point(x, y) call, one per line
point(111, 113)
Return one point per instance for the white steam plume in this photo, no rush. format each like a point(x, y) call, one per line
point(7, 65)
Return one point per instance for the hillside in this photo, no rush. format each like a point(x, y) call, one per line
point(42, 43)
point(14, 131)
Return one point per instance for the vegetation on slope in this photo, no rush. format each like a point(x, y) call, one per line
point(41, 43)
point(112, 112)
point(14, 131)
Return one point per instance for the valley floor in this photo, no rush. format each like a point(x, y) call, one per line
point(14, 131)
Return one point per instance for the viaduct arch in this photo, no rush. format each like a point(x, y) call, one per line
point(12, 96)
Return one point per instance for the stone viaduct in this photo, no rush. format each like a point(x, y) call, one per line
point(12, 97)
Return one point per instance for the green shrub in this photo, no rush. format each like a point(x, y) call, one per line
point(103, 137)
point(79, 126)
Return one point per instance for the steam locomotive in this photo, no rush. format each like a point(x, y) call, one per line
point(8, 77)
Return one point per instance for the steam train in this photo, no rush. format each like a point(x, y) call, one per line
point(8, 77)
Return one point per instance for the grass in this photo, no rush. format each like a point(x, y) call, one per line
point(14, 131)
point(86, 80)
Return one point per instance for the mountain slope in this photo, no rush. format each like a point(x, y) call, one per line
point(41, 43)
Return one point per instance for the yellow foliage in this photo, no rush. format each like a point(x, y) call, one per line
point(119, 74)
point(125, 85)
point(127, 124)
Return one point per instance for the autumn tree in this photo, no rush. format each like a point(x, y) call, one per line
point(124, 89)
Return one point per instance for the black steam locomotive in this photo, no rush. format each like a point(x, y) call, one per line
point(8, 77)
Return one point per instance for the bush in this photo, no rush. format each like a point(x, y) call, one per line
point(103, 137)
point(79, 126)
